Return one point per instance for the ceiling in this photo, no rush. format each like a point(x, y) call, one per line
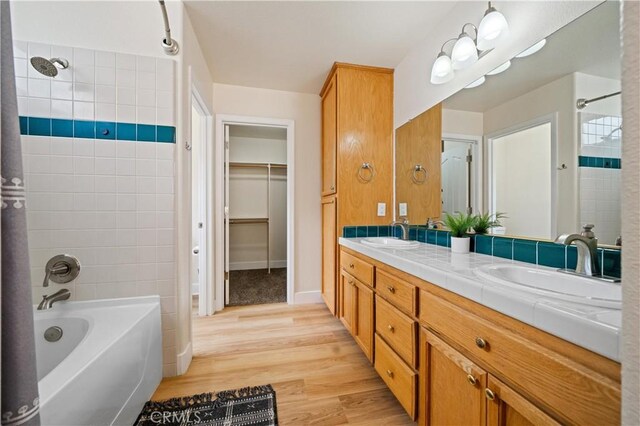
point(590, 44)
point(291, 45)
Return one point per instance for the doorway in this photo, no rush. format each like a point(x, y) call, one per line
point(461, 171)
point(254, 257)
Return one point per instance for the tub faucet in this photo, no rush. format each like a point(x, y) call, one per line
point(48, 301)
point(587, 245)
point(404, 225)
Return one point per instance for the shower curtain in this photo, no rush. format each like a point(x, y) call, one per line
point(20, 402)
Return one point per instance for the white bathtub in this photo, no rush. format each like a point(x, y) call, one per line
point(107, 364)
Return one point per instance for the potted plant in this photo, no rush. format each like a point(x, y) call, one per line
point(459, 225)
point(485, 221)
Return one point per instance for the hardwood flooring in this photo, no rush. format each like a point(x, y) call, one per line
point(320, 375)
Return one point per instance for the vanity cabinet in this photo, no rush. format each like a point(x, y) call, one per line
point(357, 154)
point(451, 360)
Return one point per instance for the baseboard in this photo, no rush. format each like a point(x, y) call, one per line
point(305, 297)
point(184, 359)
point(243, 266)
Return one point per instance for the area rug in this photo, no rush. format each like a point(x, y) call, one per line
point(254, 406)
point(256, 287)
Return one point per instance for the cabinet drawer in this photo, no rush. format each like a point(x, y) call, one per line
point(402, 294)
point(572, 391)
point(397, 329)
point(360, 269)
point(397, 375)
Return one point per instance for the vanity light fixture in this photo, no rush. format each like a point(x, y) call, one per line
point(500, 69)
point(476, 83)
point(442, 70)
point(533, 49)
point(465, 52)
point(492, 29)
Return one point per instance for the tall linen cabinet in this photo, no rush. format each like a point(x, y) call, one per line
point(357, 159)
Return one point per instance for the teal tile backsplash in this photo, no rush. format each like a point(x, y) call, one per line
point(537, 252)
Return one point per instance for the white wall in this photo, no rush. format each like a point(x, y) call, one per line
point(304, 109)
point(413, 93)
point(558, 98)
point(462, 122)
point(522, 160)
point(631, 214)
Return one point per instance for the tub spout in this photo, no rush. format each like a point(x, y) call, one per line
point(48, 301)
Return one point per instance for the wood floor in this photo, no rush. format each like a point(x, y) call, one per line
point(320, 375)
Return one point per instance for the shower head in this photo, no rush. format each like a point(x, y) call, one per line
point(49, 67)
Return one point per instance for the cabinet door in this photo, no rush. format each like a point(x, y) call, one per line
point(329, 136)
point(363, 331)
point(454, 386)
point(329, 242)
point(347, 301)
point(505, 407)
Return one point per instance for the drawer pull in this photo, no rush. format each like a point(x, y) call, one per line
point(391, 328)
point(390, 373)
point(472, 380)
point(391, 289)
point(481, 343)
point(489, 394)
point(351, 265)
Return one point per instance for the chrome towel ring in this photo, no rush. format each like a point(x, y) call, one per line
point(366, 172)
point(419, 175)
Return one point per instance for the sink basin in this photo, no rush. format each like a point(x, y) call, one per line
point(389, 242)
point(555, 285)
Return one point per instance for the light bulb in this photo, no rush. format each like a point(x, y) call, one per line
point(464, 53)
point(500, 69)
point(533, 49)
point(493, 28)
point(442, 70)
point(476, 83)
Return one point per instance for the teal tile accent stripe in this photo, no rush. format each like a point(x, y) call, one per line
point(87, 129)
point(531, 251)
point(599, 162)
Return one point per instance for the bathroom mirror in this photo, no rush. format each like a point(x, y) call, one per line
point(525, 142)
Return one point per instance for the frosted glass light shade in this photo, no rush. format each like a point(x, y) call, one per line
point(476, 83)
point(464, 53)
point(533, 49)
point(442, 70)
point(500, 69)
point(493, 28)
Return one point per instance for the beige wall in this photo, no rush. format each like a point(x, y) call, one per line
point(631, 215)
point(462, 122)
point(304, 109)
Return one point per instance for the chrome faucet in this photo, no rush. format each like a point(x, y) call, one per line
point(48, 301)
point(587, 245)
point(404, 225)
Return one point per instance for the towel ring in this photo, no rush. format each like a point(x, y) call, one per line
point(363, 175)
point(419, 175)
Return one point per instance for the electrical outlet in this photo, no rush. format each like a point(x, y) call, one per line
point(382, 209)
point(402, 207)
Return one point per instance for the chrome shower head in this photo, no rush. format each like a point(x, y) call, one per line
point(48, 67)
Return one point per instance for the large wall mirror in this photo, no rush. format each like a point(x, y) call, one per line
point(538, 139)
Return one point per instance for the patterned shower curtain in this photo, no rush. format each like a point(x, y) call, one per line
point(20, 402)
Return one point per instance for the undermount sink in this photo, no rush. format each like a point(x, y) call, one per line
point(555, 285)
point(389, 242)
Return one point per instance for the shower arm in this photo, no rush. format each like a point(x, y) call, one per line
point(582, 103)
point(169, 45)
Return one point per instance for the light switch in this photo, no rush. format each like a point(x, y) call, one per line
point(402, 207)
point(382, 209)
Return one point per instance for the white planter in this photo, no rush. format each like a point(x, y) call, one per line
point(460, 245)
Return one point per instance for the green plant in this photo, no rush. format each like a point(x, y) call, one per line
point(485, 221)
point(459, 224)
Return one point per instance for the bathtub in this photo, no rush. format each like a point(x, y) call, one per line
point(105, 366)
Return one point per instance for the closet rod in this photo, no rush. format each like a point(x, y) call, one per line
point(249, 220)
point(257, 165)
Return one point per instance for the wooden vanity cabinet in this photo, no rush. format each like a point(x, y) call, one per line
point(357, 131)
point(329, 250)
point(355, 310)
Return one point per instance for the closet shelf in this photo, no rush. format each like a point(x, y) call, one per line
point(248, 220)
point(256, 165)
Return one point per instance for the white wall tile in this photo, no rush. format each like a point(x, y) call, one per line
point(125, 78)
point(39, 88)
point(125, 167)
point(61, 146)
point(20, 49)
point(164, 99)
point(62, 90)
point(85, 74)
point(126, 149)
point(106, 76)
point(105, 112)
point(39, 107)
point(146, 115)
point(165, 117)
point(145, 167)
point(22, 86)
point(105, 166)
point(39, 49)
point(23, 105)
point(146, 64)
point(125, 61)
point(127, 202)
point(146, 151)
point(83, 57)
point(145, 185)
point(83, 148)
point(21, 67)
point(126, 96)
point(81, 110)
point(105, 59)
point(146, 80)
point(126, 113)
point(61, 109)
point(61, 164)
point(106, 94)
point(84, 92)
point(126, 184)
point(146, 98)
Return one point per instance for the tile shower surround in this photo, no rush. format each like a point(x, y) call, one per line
point(107, 199)
point(537, 252)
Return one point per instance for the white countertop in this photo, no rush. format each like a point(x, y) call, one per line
point(594, 328)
